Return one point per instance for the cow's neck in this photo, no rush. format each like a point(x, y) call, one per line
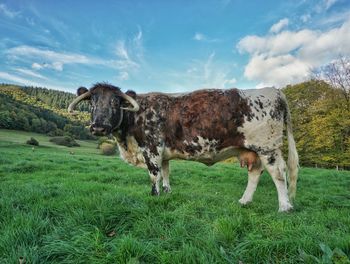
point(123, 131)
point(129, 149)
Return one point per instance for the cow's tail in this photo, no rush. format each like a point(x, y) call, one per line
point(293, 159)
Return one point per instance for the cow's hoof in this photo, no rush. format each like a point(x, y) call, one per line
point(154, 191)
point(243, 201)
point(285, 207)
point(166, 189)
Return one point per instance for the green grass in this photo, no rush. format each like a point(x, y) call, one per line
point(87, 208)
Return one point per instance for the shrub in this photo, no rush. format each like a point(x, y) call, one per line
point(65, 141)
point(101, 140)
point(32, 141)
point(55, 133)
point(108, 149)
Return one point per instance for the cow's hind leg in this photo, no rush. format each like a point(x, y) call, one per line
point(276, 166)
point(165, 174)
point(253, 180)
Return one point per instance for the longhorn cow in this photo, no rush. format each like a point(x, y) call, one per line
point(207, 126)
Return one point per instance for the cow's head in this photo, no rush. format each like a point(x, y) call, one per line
point(107, 106)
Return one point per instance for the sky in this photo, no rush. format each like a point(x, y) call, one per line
point(169, 46)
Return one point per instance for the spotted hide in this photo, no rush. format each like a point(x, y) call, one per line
point(206, 126)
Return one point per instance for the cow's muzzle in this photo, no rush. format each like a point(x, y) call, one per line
point(100, 130)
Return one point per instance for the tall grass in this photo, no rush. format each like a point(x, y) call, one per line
point(56, 207)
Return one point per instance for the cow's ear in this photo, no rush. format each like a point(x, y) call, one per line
point(131, 93)
point(82, 90)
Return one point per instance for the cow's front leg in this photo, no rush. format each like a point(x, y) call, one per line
point(155, 179)
point(165, 174)
point(153, 162)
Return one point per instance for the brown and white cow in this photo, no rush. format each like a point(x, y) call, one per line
point(206, 126)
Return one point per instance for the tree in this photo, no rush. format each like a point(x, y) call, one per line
point(36, 125)
point(321, 123)
point(5, 119)
point(337, 74)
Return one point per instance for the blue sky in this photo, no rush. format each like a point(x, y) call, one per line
point(169, 46)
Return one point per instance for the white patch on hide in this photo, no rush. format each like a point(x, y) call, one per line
point(133, 153)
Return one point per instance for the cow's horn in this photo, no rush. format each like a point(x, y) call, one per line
point(128, 98)
point(77, 101)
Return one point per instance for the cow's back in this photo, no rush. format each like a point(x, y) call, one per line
point(212, 116)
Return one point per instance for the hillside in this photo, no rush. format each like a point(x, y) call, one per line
point(38, 110)
point(55, 99)
point(58, 207)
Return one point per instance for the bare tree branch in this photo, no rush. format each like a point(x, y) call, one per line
point(337, 74)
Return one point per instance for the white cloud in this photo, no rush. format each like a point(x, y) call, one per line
point(279, 25)
point(198, 36)
point(277, 70)
point(123, 76)
point(329, 3)
point(129, 55)
point(23, 81)
point(53, 60)
point(229, 82)
point(281, 43)
point(121, 51)
point(43, 58)
point(214, 74)
point(305, 18)
point(7, 12)
point(201, 37)
point(124, 61)
point(130, 51)
point(30, 21)
point(289, 56)
point(57, 65)
point(48, 54)
point(30, 73)
point(203, 73)
point(263, 85)
point(335, 18)
point(192, 70)
point(322, 17)
point(208, 66)
point(37, 66)
point(138, 43)
point(324, 5)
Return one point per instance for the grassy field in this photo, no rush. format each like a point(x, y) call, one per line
point(56, 207)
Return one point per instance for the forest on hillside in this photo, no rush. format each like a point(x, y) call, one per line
point(41, 110)
point(54, 98)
